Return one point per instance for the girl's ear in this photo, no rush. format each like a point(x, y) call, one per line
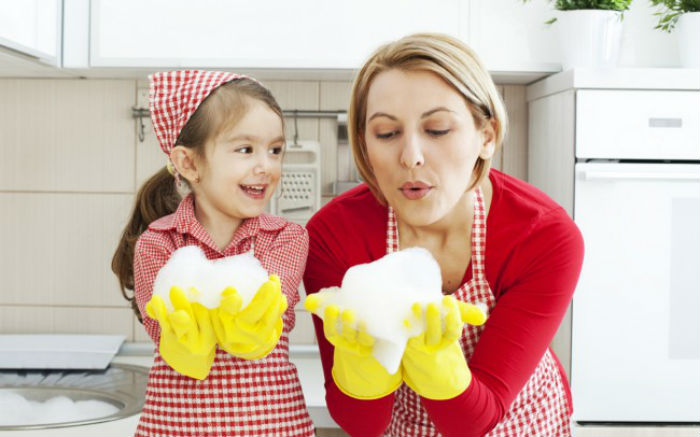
point(488, 145)
point(183, 159)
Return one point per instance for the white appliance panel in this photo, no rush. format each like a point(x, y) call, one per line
point(638, 124)
point(636, 310)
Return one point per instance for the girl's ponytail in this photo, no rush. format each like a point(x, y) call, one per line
point(157, 198)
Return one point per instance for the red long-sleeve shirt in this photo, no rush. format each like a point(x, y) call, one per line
point(533, 258)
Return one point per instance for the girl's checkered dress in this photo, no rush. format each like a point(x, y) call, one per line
point(239, 397)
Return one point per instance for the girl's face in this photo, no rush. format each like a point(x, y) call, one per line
point(422, 143)
point(243, 164)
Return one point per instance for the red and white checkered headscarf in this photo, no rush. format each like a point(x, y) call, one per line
point(175, 95)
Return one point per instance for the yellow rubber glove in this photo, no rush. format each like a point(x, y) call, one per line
point(253, 332)
point(187, 341)
point(355, 370)
point(433, 364)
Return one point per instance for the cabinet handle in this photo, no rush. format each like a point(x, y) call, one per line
point(665, 122)
point(592, 175)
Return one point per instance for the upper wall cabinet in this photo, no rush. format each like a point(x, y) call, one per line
point(305, 34)
point(508, 34)
point(512, 36)
point(32, 27)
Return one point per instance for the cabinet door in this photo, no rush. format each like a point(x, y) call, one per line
point(511, 36)
point(638, 124)
point(636, 310)
point(260, 34)
point(32, 27)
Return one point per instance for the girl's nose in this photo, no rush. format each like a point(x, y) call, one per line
point(262, 164)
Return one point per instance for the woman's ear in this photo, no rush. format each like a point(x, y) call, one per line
point(184, 161)
point(488, 145)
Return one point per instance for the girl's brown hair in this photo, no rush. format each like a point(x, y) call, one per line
point(445, 56)
point(159, 195)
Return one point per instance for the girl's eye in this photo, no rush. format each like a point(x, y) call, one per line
point(245, 149)
point(437, 133)
point(276, 150)
point(387, 135)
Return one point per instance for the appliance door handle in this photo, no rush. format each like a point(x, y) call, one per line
point(665, 122)
point(592, 175)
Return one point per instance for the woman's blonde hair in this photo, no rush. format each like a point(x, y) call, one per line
point(455, 63)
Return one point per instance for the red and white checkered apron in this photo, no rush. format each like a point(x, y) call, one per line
point(239, 397)
point(540, 409)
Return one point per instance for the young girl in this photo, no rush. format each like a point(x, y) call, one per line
point(223, 135)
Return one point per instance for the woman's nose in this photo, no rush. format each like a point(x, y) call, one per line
point(412, 154)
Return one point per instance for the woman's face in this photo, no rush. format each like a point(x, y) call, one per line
point(244, 163)
point(422, 143)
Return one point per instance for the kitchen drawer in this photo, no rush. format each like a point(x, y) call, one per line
point(638, 124)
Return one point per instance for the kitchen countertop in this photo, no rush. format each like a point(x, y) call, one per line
point(309, 366)
point(305, 358)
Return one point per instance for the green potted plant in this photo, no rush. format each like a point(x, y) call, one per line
point(685, 16)
point(590, 31)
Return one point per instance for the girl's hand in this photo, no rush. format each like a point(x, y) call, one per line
point(187, 341)
point(253, 332)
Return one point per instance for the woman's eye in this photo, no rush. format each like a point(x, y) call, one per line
point(437, 133)
point(387, 135)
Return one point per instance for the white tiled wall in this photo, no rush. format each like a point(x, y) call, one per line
point(66, 135)
point(56, 247)
point(70, 165)
point(66, 187)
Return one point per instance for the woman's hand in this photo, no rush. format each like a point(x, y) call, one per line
point(187, 341)
point(433, 364)
point(355, 370)
point(253, 332)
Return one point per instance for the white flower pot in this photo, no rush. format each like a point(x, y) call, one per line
point(688, 28)
point(589, 38)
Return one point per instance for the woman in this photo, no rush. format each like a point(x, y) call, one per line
point(425, 120)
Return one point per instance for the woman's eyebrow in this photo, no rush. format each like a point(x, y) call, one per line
point(381, 114)
point(433, 111)
point(423, 115)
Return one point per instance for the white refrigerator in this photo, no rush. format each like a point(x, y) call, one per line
point(631, 179)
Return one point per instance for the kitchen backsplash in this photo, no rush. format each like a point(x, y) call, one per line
point(71, 164)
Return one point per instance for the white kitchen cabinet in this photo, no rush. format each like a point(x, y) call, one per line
point(511, 36)
point(76, 34)
point(619, 149)
point(309, 34)
point(32, 27)
point(636, 313)
point(638, 124)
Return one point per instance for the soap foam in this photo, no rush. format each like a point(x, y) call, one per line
point(203, 280)
point(16, 410)
point(381, 294)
